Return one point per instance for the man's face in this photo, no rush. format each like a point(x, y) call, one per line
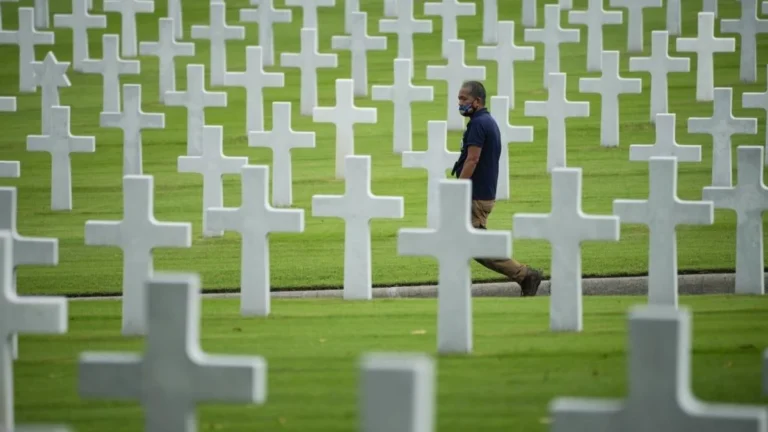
point(467, 104)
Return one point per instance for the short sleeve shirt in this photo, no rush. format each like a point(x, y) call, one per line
point(482, 131)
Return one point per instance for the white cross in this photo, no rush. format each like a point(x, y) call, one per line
point(218, 33)
point(674, 17)
point(556, 109)
point(635, 27)
point(349, 7)
point(499, 109)
point(705, 44)
point(281, 139)
point(660, 397)
point(266, 16)
point(49, 75)
point(398, 393)
point(137, 235)
point(358, 206)
point(710, 6)
point(254, 80)
point(128, 10)
point(110, 67)
point(595, 17)
point(212, 165)
point(60, 143)
point(722, 126)
point(748, 26)
point(490, 21)
point(27, 38)
point(666, 144)
point(402, 93)
point(174, 10)
point(80, 21)
point(760, 101)
point(359, 43)
point(20, 315)
point(552, 36)
point(132, 120)
point(453, 242)
point(10, 169)
point(662, 213)
point(405, 26)
point(449, 11)
point(344, 115)
point(255, 219)
point(309, 10)
point(390, 8)
point(166, 49)
point(505, 53)
point(195, 98)
point(659, 65)
point(455, 73)
point(42, 14)
point(749, 199)
point(309, 60)
point(436, 160)
point(7, 103)
point(529, 17)
point(173, 374)
point(565, 228)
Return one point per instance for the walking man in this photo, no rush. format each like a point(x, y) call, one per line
point(479, 162)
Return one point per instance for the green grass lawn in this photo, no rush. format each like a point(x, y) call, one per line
point(315, 258)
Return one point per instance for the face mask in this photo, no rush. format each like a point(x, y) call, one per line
point(466, 110)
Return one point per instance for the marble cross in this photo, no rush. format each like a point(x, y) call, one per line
point(499, 109)
point(490, 21)
point(266, 16)
point(218, 32)
point(175, 14)
point(309, 10)
point(722, 126)
point(132, 120)
point(359, 43)
point(405, 26)
point(705, 45)
point(710, 6)
point(128, 10)
point(358, 206)
point(166, 49)
point(42, 14)
point(662, 213)
point(565, 228)
point(10, 169)
point(748, 26)
point(635, 24)
point(7, 103)
point(449, 11)
point(666, 144)
point(281, 139)
point(173, 374)
point(110, 67)
point(453, 242)
point(674, 17)
point(344, 116)
point(595, 17)
point(758, 100)
point(390, 8)
point(309, 60)
point(749, 199)
point(137, 235)
point(552, 36)
point(505, 53)
point(60, 143)
point(529, 16)
point(455, 73)
point(254, 220)
point(351, 6)
point(27, 38)
point(49, 74)
point(80, 21)
point(254, 80)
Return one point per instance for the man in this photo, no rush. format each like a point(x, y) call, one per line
point(479, 161)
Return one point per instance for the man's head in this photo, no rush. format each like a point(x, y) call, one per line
point(471, 97)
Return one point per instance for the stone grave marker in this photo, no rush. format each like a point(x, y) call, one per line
point(49, 75)
point(349, 7)
point(60, 143)
point(749, 199)
point(635, 22)
point(137, 235)
point(195, 98)
point(10, 169)
point(660, 398)
point(565, 228)
point(499, 109)
point(529, 13)
point(166, 49)
point(390, 8)
point(455, 73)
point(748, 26)
point(254, 220)
point(175, 14)
point(666, 144)
point(436, 160)
point(595, 17)
point(722, 126)
point(128, 10)
point(309, 60)
point(705, 45)
point(490, 21)
point(173, 374)
point(358, 206)
point(42, 14)
point(397, 392)
point(218, 32)
point(759, 101)
point(27, 38)
point(674, 17)
point(212, 164)
point(110, 67)
point(309, 10)
point(344, 116)
point(359, 43)
point(266, 16)
point(505, 53)
point(132, 120)
point(556, 109)
point(405, 26)
point(449, 11)
point(552, 36)
point(80, 21)
point(453, 242)
point(281, 139)
point(402, 93)
point(662, 213)
point(659, 64)
point(710, 6)
point(254, 80)
point(7, 103)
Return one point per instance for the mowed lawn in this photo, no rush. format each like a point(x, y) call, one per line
point(315, 258)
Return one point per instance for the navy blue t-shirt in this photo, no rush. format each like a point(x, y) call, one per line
point(482, 131)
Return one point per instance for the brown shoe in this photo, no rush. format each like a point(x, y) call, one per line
point(530, 285)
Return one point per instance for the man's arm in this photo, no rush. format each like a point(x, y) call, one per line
point(473, 157)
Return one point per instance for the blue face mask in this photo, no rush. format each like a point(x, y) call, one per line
point(466, 110)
